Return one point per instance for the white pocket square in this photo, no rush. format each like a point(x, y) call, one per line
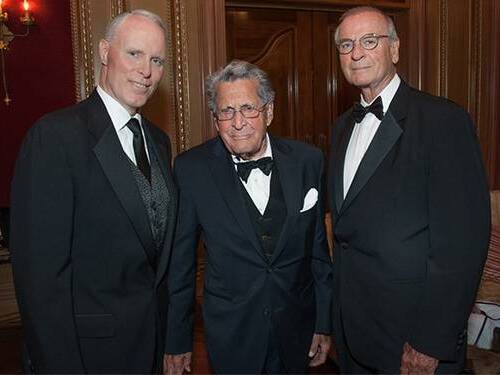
point(310, 199)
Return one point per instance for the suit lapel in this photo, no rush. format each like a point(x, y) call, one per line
point(291, 185)
point(112, 159)
point(338, 166)
point(388, 133)
point(226, 179)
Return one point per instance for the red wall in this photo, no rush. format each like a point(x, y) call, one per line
point(40, 77)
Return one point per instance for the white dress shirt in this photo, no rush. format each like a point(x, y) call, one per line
point(119, 117)
point(363, 133)
point(258, 184)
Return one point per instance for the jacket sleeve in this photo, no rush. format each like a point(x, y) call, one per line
point(459, 225)
point(321, 262)
point(182, 271)
point(41, 236)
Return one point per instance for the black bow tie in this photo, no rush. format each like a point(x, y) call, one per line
point(264, 164)
point(359, 112)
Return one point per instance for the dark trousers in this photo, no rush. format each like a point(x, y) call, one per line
point(273, 363)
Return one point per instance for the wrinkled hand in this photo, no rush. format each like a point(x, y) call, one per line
point(320, 346)
point(416, 363)
point(176, 364)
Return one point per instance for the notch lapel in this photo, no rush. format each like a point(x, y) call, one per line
point(291, 186)
point(227, 180)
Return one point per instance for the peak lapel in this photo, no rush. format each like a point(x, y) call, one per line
point(388, 133)
point(112, 159)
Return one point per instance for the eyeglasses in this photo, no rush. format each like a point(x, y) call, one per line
point(246, 110)
point(368, 41)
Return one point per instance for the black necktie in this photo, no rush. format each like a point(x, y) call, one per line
point(139, 149)
point(264, 164)
point(359, 112)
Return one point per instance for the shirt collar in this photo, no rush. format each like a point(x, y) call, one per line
point(387, 93)
point(267, 153)
point(119, 115)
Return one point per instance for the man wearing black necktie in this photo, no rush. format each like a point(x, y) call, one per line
point(257, 200)
point(410, 212)
point(93, 212)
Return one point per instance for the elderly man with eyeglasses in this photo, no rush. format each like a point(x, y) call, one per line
point(257, 200)
point(410, 208)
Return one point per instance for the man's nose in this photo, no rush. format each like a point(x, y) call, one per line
point(357, 52)
point(145, 68)
point(239, 121)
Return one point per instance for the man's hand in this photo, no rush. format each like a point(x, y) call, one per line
point(176, 364)
point(320, 346)
point(413, 362)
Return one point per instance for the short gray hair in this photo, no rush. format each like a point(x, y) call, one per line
point(391, 29)
point(238, 69)
point(119, 19)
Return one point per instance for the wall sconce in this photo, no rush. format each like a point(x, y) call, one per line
point(6, 36)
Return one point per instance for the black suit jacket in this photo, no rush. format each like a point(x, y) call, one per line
point(412, 233)
point(245, 295)
point(81, 246)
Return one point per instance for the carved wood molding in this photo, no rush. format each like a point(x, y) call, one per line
point(117, 7)
point(475, 65)
point(318, 4)
point(181, 73)
point(443, 47)
point(83, 54)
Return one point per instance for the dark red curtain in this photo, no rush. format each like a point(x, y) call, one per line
point(40, 77)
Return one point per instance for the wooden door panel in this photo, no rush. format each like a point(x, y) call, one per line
point(278, 41)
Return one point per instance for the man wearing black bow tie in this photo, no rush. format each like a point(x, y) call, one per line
point(257, 200)
point(410, 208)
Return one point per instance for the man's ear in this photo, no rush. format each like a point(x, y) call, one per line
point(395, 51)
point(103, 51)
point(269, 113)
point(216, 124)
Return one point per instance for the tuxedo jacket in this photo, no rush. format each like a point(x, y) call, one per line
point(247, 298)
point(90, 297)
point(411, 236)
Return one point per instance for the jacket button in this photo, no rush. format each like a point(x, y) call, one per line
point(344, 245)
point(266, 312)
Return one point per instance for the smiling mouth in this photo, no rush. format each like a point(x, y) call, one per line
point(140, 85)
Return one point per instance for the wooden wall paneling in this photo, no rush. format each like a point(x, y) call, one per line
point(459, 51)
point(83, 48)
point(487, 89)
point(325, 79)
point(212, 37)
point(434, 26)
point(416, 51)
point(460, 40)
point(494, 41)
point(321, 5)
point(279, 42)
